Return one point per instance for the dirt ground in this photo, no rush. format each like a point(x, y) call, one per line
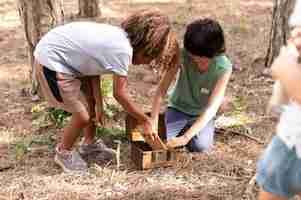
point(225, 173)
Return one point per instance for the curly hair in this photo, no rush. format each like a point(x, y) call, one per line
point(169, 56)
point(149, 32)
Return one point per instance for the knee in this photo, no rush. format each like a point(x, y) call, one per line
point(83, 118)
point(199, 146)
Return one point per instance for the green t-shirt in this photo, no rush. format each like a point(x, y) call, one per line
point(193, 88)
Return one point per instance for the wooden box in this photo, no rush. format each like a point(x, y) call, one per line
point(146, 158)
point(142, 154)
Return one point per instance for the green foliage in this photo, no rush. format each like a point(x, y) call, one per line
point(20, 149)
point(23, 146)
point(111, 109)
point(43, 140)
point(58, 116)
point(238, 116)
point(113, 133)
point(37, 110)
point(239, 104)
point(43, 116)
point(107, 86)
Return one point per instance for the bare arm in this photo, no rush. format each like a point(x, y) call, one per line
point(120, 86)
point(161, 91)
point(214, 103)
point(120, 92)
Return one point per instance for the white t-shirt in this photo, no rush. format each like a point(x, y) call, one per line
point(85, 48)
point(289, 126)
point(295, 18)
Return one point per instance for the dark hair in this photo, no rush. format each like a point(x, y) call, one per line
point(204, 37)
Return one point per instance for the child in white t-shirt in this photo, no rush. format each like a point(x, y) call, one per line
point(69, 60)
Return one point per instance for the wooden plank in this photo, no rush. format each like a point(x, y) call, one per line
point(145, 158)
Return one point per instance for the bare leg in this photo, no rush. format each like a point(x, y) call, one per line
point(90, 129)
point(72, 130)
point(269, 196)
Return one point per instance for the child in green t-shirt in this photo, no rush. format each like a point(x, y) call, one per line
point(200, 87)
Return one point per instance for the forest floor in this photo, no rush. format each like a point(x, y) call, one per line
point(27, 135)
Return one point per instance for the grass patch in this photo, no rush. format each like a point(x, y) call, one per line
point(112, 133)
point(58, 116)
point(42, 115)
point(111, 109)
point(24, 145)
point(242, 26)
point(107, 86)
point(239, 104)
point(237, 117)
point(20, 149)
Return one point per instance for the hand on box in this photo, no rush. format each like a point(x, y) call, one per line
point(154, 123)
point(177, 142)
point(151, 137)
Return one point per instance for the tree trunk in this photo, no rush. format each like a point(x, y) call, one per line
point(88, 8)
point(280, 29)
point(38, 17)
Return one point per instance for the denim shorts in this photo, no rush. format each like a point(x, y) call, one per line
point(279, 170)
point(177, 123)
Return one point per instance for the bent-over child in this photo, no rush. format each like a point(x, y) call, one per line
point(69, 60)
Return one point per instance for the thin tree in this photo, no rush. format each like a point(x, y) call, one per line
point(38, 17)
point(88, 8)
point(280, 29)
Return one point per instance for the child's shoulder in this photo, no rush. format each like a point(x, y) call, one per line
point(223, 62)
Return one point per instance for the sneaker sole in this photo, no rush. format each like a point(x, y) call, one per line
point(59, 163)
point(66, 170)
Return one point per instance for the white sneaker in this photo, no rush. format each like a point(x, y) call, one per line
point(70, 161)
